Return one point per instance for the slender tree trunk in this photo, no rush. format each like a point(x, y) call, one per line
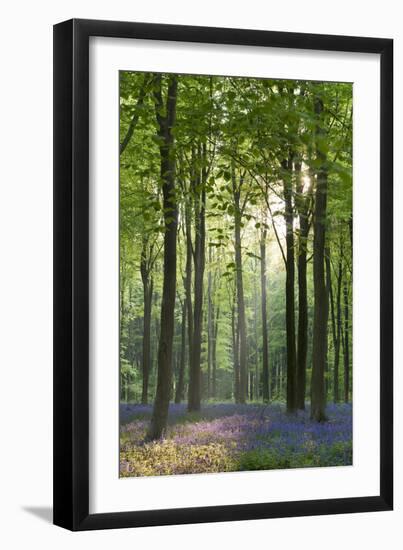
point(265, 344)
point(214, 355)
point(181, 374)
point(210, 326)
point(332, 311)
point(243, 371)
point(350, 231)
point(127, 388)
point(122, 317)
point(277, 387)
point(346, 343)
point(235, 353)
point(336, 395)
point(148, 292)
point(194, 394)
point(188, 278)
point(241, 317)
point(328, 294)
point(302, 312)
point(165, 124)
point(289, 288)
point(282, 375)
point(303, 202)
point(147, 299)
point(255, 377)
point(319, 345)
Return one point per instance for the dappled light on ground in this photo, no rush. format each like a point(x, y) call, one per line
point(226, 437)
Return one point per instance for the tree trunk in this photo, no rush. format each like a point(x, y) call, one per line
point(181, 374)
point(319, 345)
point(148, 292)
point(289, 288)
point(251, 385)
point(302, 311)
point(332, 312)
point(127, 388)
point(255, 378)
point(241, 316)
point(214, 355)
point(350, 231)
point(336, 395)
point(346, 343)
point(336, 322)
point(122, 301)
point(147, 299)
point(235, 353)
point(194, 394)
point(243, 382)
point(188, 277)
point(282, 375)
point(303, 203)
point(165, 123)
point(265, 345)
point(210, 326)
point(328, 283)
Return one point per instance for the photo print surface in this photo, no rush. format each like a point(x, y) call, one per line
point(236, 237)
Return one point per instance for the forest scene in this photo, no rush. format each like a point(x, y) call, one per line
point(236, 239)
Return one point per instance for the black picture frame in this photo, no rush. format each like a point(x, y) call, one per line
point(71, 274)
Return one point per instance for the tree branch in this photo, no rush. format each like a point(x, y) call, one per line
point(136, 115)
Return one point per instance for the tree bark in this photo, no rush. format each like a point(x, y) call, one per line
point(127, 388)
point(335, 310)
point(336, 395)
point(148, 295)
point(319, 346)
point(255, 378)
point(346, 343)
point(210, 326)
point(165, 124)
point(302, 314)
point(332, 314)
point(303, 205)
point(235, 353)
point(180, 386)
point(122, 285)
point(265, 345)
point(214, 355)
point(289, 287)
point(194, 394)
point(188, 277)
point(243, 382)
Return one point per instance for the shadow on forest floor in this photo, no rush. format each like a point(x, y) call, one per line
point(231, 437)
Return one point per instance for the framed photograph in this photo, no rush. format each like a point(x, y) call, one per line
point(223, 236)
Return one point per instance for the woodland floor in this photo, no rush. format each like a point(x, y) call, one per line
point(225, 437)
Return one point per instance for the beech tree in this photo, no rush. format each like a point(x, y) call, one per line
point(165, 115)
point(319, 345)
